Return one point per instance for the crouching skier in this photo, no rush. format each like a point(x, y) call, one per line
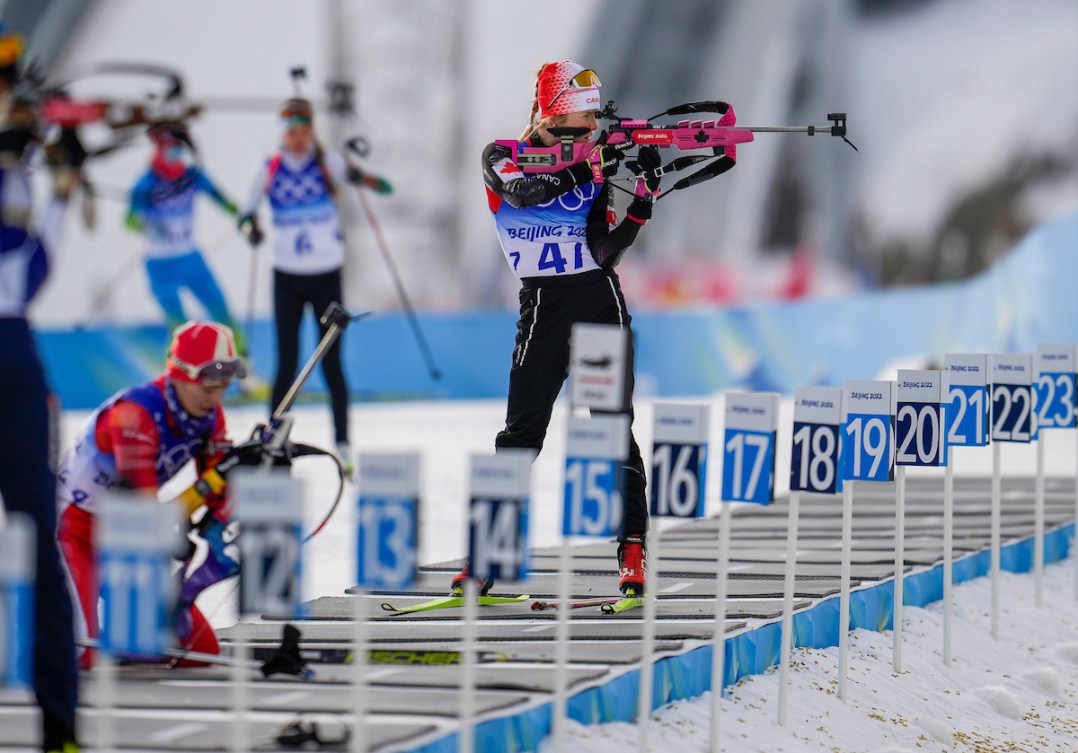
point(139, 439)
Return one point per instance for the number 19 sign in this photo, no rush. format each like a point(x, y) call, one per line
point(867, 431)
point(748, 467)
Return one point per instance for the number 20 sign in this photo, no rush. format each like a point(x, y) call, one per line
point(919, 418)
point(748, 462)
point(866, 431)
point(814, 454)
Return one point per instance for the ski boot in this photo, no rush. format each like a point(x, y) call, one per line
point(632, 565)
point(457, 584)
point(348, 463)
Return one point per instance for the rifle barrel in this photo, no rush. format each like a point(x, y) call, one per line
point(785, 129)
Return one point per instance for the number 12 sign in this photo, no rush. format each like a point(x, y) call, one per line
point(748, 462)
point(867, 450)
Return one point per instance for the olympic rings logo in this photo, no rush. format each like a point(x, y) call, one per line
point(304, 189)
point(576, 199)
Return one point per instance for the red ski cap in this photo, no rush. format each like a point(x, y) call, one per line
point(204, 353)
point(566, 87)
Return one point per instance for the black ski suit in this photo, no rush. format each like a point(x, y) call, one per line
point(555, 234)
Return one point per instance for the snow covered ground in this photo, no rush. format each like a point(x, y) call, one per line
point(1020, 694)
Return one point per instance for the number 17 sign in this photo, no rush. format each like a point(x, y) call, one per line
point(748, 467)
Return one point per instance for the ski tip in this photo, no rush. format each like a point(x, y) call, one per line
point(539, 606)
point(389, 607)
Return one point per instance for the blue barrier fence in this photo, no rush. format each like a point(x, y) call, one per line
point(751, 652)
point(1029, 297)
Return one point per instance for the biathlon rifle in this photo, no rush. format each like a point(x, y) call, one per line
point(718, 135)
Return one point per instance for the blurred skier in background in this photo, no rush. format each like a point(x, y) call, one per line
point(27, 481)
point(162, 208)
point(570, 281)
point(139, 439)
point(302, 181)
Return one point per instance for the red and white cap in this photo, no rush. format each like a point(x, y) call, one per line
point(204, 353)
point(566, 87)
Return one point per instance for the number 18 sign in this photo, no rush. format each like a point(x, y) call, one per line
point(748, 464)
point(814, 455)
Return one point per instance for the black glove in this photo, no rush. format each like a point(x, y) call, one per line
point(248, 225)
point(647, 161)
point(65, 157)
point(249, 453)
point(68, 149)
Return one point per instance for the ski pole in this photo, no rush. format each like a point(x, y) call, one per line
point(248, 324)
point(413, 320)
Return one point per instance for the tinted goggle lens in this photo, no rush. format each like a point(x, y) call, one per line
point(586, 79)
point(221, 372)
point(214, 373)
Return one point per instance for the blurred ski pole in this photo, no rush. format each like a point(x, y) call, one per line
point(372, 220)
